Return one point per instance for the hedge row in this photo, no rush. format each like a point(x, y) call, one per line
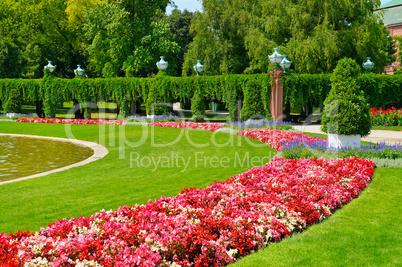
point(298, 90)
point(380, 90)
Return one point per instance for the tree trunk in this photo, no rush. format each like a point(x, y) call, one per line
point(39, 108)
point(77, 112)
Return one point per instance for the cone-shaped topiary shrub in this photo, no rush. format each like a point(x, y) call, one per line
point(13, 104)
point(346, 111)
point(253, 106)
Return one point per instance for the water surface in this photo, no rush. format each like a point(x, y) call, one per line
point(24, 156)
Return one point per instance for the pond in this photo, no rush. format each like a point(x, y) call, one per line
point(24, 156)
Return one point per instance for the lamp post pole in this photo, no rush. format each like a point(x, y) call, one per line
point(77, 111)
point(276, 99)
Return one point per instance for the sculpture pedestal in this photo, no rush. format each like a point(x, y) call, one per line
point(339, 140)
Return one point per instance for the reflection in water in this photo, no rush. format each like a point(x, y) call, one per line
point(23, 156)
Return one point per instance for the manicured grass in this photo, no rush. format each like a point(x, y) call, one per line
point(388, 128)
point(111, 182)
point(365, 232)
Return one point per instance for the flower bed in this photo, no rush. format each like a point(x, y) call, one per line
point(389, 117)
point(298, 149)
point(199, 227)
point(277, 138)
point(189, 125)
point(72, 121)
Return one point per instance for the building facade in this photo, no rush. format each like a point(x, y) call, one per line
point(393, 22)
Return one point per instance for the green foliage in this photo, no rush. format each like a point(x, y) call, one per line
point(160, 96)
point(179, 22)
point(35, 31)
point(110, 38)
point(398, 44)
point(301, 89)
point(253, 106)
point(127, 37)
point(237, 36)
point(13, 104)
point(197, 106)
point(219, 39)
point(346, 110)
point(381, 90)
point(300, 151)
point(52, 97)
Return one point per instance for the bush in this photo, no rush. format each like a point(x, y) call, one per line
point(13, 104)
point(346, 110)
point(253, 106)
point(197, 107)
point(155, 104)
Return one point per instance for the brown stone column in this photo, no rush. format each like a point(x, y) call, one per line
point(276, 100)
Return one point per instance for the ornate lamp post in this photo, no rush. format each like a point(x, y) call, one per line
point(77, 111)
point(162, 64)
point(199, 68)
point(285, 64)
point(368, 65)
point(276, 100)
point(78, 71)
point(276, 58)
point(49, 66)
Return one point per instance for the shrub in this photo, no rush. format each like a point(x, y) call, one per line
point(13, 104)
point(346, 110)
point(197, 107)
point(155, 105)
point(253, 106)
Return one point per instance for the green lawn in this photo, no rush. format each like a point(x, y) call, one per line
point(388, 128)
point(366, 232)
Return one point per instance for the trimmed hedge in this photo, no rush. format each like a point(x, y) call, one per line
point(13, 104)
point(52, 91)
point(380, 90)
point(298, 89)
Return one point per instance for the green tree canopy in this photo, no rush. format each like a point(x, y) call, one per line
point(32, 32)
point(236, 36)
point(107, 37)
point(127, 37)
point(179, 22)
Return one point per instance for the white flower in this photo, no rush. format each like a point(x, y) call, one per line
point(86, 263)
point(37, 262)
point(232, 253)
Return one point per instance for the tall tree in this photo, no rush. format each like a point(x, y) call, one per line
point(179, 22)
point(11, 58)
point(37, 29)
point(126, 37)
point(219, 40)
point(398, 57)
